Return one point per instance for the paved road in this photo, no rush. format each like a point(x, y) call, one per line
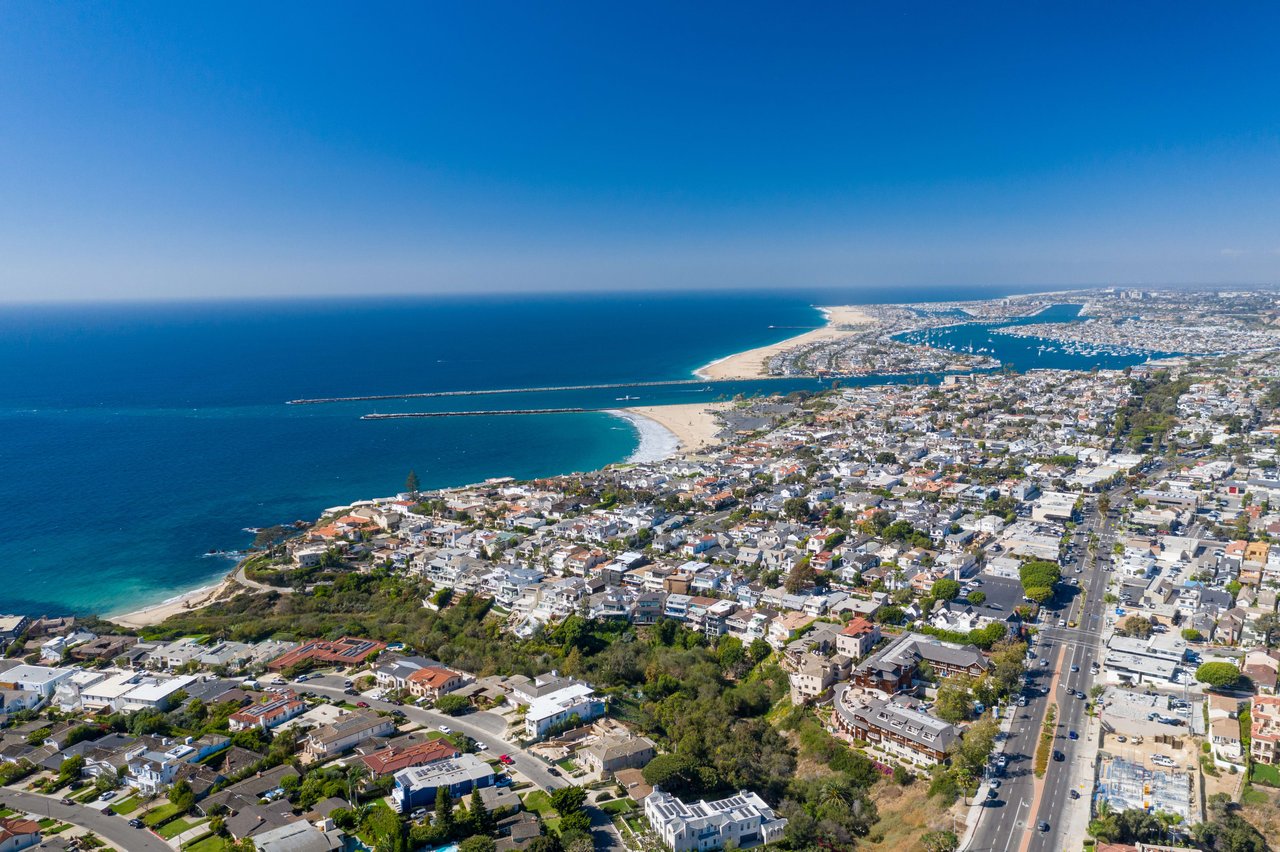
point(488, 728)
point(1005, 820)
point(484, 726)
point(106, 825)
point(1081, 646)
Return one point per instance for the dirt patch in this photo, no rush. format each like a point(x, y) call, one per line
point(1265, 817)
point(905, 814)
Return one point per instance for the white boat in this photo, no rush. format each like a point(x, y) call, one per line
point(625, 398)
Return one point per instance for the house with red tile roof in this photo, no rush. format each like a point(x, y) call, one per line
point(433, 681)
point(347, 651)
point(392, 759)
point(16, 833)
point(276, 708)
point(857, 638)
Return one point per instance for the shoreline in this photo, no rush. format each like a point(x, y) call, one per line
point(753, 363)
point(184, 602)
point(692, 427)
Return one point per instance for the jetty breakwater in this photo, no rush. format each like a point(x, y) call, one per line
point(401, 415)
point(496, 391)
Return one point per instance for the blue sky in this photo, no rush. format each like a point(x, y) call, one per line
point(192, 150)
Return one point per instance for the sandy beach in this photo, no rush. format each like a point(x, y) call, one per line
point(185, 602)
point(753, 363)
point(693, 425)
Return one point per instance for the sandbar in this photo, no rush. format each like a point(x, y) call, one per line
point(754, 363)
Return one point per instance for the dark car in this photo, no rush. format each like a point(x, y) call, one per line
point(553, 771)
point(350, 691)
point(1075, 794)
point(1042, 825)
point(1073, 735)
point(1059, 756)
point(135, 823)
point(991, 794)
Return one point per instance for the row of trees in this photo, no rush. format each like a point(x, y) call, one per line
point(1038, 577)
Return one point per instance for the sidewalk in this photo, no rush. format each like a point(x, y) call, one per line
point(978, 807)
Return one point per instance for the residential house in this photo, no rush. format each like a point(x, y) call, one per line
point(419, 786)
point(345, 734)
point(857, 638)
point(744, 820)
point(1264, 729)
point(431, 682)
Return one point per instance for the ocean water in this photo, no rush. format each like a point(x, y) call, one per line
point(136, 438)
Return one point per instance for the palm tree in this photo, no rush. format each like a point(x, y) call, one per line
point(356, 773)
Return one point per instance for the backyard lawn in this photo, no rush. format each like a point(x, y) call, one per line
point(618, 806)
point(1264, 774)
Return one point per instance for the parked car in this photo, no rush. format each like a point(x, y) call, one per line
point(481, 746)
point(136, 823)
point(553, 771)
point(505, 759)
point(445, 729)
point(107, 796)
point(1075, 794)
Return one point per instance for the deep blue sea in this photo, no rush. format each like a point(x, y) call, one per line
point(136, 438)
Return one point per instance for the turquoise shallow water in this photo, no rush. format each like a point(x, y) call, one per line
point(135, 438)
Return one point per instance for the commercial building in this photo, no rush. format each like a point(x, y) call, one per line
point(893, 668)
point(898, 726)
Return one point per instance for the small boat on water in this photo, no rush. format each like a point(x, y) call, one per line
point(625, 398)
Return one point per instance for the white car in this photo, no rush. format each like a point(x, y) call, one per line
point(445, 729)
point(481, 746)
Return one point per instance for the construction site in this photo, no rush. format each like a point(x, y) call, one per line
point(1125, 785)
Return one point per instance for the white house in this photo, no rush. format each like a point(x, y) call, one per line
point(744, 819)
point(547, 711)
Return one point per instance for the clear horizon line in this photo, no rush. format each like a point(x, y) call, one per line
point(1016, 289)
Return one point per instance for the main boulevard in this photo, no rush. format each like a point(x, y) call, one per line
point(1015, 819)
